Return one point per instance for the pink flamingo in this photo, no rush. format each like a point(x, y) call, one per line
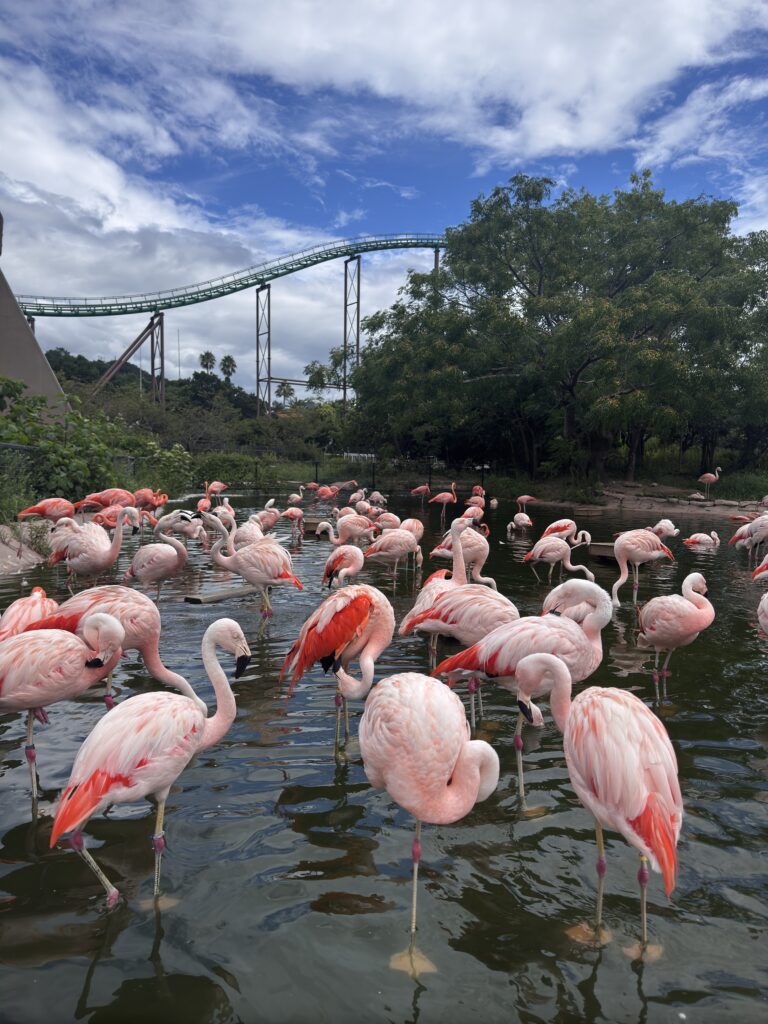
point(665, 528)
point(346, 510)
point(703, 540)
point(216, 488)
point(358, 495)
point(493, 503)
point(673, 621)
point(263, 564)
point(356, 528)
point(142, 747)
point(477, 500)
point(623, 768)
point(475, 546)
point(414, 526)
point(445, 498)
point(296, 517)
point(155, 563)
point(311, 486)
point(247, 533)
point(296, 499)
point(762, 613)
point(356, 622)
point(40, 668)
point(52, 509)
point(634, 548)
point(86, 547)
point(521, 521)
point(363, 507)
point(136, 613)
point(393, 545)
point(478, 491)
point(225, 508)
point(149, 500)
point(268, 517)
point(24, 611)
point(473, 513)
point(326, 492)
point(111, 496)
point(342, 564)
point(204, 504)
point(422, 491)
point(414, 740)
point(763, 567)
point(107, 516)
point(377, 498)
point(552, 550)
point(708, 479)
point(563, 528)
point(388, 521)
point(524, 500)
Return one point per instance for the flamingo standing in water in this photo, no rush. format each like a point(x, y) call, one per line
point(111, 496)
point(24, 611)
point(445, 498)
point(154, 563)
point(708, 479)
point(263, 564)
point(422, 491)
point(52, 509)
point(357, 528)
point(520, 521)
point(392, 546)
point(475, 548)
point(623, 768)
point(762, 608)
point(633, 548)
point(414, 740)
point(86, 547)
point(709, 541)
point(523, 500)
point(216, 488)
point(40, 668)
point(296, 499)
point(552, 550)
point(136, 613)
point(342, 564)
point(673, 621)
point(142, 747)
point(357, 622)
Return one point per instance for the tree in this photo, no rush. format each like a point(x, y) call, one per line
point(228, 367)
point(208, 361)
point(285, 392)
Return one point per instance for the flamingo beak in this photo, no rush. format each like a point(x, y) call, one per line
point(243, 661)
point(525, 710)
point(94, 663)
point(759, 570)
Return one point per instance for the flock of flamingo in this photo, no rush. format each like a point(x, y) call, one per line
point(414, 736)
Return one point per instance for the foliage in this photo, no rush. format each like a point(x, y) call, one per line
point(208, 361)
point(228, 368)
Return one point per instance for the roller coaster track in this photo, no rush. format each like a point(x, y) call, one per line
point(260, 274)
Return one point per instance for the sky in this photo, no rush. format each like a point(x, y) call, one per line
point(153, 145)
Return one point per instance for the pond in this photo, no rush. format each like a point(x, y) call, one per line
point(286, 887)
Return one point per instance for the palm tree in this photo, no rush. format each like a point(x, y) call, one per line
point(228, 367)
point(285, 391)
point(208, 361)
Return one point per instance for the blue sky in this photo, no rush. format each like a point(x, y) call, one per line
point(150, 145)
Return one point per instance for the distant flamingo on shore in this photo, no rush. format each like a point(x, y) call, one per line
point(708, 479)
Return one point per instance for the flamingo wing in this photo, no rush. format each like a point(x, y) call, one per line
point(340, 619)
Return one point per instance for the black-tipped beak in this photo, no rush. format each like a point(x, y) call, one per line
point(526, 710)
point(135, 530)
point(94, 663)
point(243, 661)
point(554, 611)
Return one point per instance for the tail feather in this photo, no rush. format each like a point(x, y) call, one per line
point(33, 510)
point(655, 827)
point(78, 802)
point(68, 621)
point(458, 662)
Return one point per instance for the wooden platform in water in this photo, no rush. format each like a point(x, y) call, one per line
point(219, 595)
point(602, 550)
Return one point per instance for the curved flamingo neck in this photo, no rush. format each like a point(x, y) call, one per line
point(459, 567)
point(117, 539)
point(472, 779)
point(178, 547)
point(226, 708)
point(150, 654)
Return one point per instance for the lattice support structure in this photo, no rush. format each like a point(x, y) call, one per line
point(155, 332)
point(351, 320)
point(263, 349)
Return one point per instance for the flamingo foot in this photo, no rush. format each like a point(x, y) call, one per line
point(41, 715)
point(413, 962)
point(587, 935)
point(113, 896)
point(649, 953)
point(159, 844)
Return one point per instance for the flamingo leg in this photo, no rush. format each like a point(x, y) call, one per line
point(77, 844)
point(533, 567)
point(158, 844)
point(642, 877)
point(471, 687)
point(31, 755)
point(337, 742)
point(416, 853)
point(655, 675)
point(549, 577)
point(664, 674)
point(600, 868)
point(519, 751)
point(479, 699)
point(345, 705)
point(635, 582)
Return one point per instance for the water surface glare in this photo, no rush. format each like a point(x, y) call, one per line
point(286, 887)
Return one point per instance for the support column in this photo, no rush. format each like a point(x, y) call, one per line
point(351, 319)
point(157, 357)
point(263, 350)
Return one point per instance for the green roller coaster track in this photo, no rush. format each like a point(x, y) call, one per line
point(260, 274)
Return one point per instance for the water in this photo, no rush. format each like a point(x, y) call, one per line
point(287, 884)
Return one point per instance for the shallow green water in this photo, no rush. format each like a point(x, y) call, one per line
point(287, 884)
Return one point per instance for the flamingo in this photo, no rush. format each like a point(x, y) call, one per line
point(393, 545)
point(107, 516)
point(154, 563)
point(633, 548)
point(708, 479)
point(342, 564)
point(414, 526)
point(356, 622)
point(350, 528)
point(296, 517)
point(477, 500)
point(377, 498)
point(414, 740)
point(52, 509)
point(40, 668)
point(326, 492)
point(25, 610)
point(346, 510)
point(142, 747)
point(268, 517)
point(579, 645)
point(363, 507)
point(358, 495)
point(465, 613)
point(564, 528)
point(445, 498)
point(703, 540)
point(524, 500)
point(246, 533)
point(521, 521)
point(478, 491)
point(473, 513)
point(623, 768)
point(265, 563)
point(673, 621)
point(762, 608)
point(215, 488)
point(493, 503)
point(149, 500)
point(475, 547)
point(296, 499)
point(422, 491)
point(136, 613)
point(225, 508)
point(664, 528)
point(553, 550)
point(111, 496)
point(388, 521)
point(763, 567)
point(86, 546)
